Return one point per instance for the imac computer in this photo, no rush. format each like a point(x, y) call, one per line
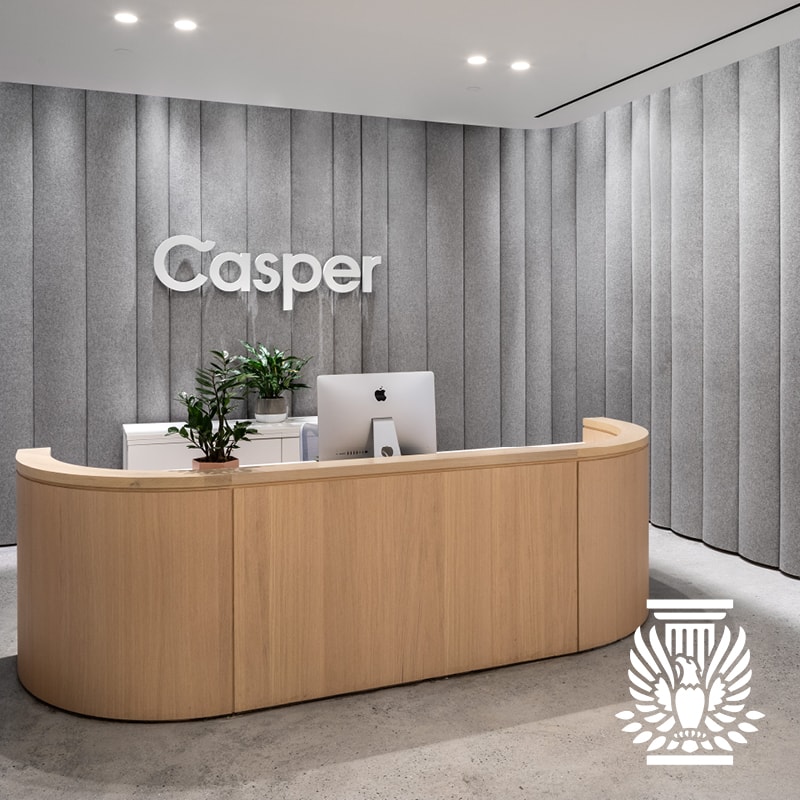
point(376, 414)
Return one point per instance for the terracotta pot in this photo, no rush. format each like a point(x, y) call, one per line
point(271, 409)
point(203, 466)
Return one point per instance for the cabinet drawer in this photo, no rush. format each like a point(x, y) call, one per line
point(259, 451)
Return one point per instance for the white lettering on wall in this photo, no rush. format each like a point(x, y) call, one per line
point(160, 262)
point(340, 274)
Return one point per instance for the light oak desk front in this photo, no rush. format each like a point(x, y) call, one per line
point(162, 596)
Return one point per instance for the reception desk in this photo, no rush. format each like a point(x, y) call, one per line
point(177, 595)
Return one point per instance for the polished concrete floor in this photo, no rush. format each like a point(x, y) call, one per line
point(544, 729)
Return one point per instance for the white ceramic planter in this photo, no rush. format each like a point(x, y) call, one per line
point(271, 409)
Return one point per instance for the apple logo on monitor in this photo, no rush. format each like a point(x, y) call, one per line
point(380, 394)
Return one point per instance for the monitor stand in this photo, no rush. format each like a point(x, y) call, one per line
point(384, 437)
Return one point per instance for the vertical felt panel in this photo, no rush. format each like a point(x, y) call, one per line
point(59, 272)
point(790, 307)
point(591, 266)
point(185, 308)
point(445, 258)
point(110, 273)
point(269, 226)
point(538, 263)
point(16, 299)
point(721, 307)
point(312, 232)
point(406, 270)
point(512, 286)
point(347, 238)
point(481, 287)
point(641, 232)
point(661, 221)
point(564, 310)
point(687, 308)
point(152, 228)
point(375, 242)
point(223, 186)
point(619, 299)
point(759, 351)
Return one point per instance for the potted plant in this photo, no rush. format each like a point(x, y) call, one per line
point(218, 386)
point(270, 373)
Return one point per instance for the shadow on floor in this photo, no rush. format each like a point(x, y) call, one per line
point(282, 742)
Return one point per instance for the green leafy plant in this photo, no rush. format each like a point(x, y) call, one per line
point(218, 386)
point(270, 373)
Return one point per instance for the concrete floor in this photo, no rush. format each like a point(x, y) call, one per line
point(545, 729)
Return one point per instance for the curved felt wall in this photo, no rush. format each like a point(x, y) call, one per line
point(640, 264)
point(538, 286)
point(641, 257)
point(563, 288)
point(759, 324)
point(16, 265)
point(590, 235)
point(790, 307)
point(721, 307)
point(686, 115)
point(661, 301)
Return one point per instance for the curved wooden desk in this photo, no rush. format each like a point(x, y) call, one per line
point(162, 596)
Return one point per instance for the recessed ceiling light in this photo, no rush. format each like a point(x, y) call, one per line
point(126, 17)
point(520, 66)
point(476, 60)
point(185, 25)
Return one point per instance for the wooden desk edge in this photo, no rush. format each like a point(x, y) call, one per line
point(603, 438)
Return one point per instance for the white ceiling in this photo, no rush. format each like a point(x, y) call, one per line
point(395, 59)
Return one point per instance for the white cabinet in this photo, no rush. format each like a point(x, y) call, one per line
point(146, 445)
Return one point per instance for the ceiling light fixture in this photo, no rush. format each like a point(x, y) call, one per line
point(520, 66)
point(126, 17)
point(476, 60)
point(185, 25)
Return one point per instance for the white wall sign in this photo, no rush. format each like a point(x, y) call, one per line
point(341, 274)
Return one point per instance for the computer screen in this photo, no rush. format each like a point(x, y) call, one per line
point(359, 414)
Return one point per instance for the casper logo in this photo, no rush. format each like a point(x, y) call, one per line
point(341, 274)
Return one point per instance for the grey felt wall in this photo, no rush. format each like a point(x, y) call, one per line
point(538, 285)
point(640, 264)
point(661, 303)
point(720, 318)
point(759, 304)
point(445, 257)
point(591, 266)
point(686, 113)
point(789, 524)
point(563, 284)
point(16, 299)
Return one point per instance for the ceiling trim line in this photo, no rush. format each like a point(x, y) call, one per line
point(669, 60)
